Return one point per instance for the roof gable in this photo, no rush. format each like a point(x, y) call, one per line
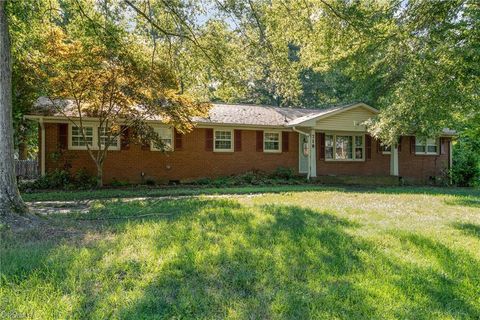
point(312, 119)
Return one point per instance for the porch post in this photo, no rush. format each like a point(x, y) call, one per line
point(450, 160)
point(312, 155)
point(42, 148)
point(394, 160)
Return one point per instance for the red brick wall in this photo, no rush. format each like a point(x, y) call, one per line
point(189, 163)
point(411, 166)
point(421, 167)
point(194, 162)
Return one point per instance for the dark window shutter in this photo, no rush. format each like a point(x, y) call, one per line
point(208, 139)
point(237, 142)
point(124, 138)
point(285, 142)
point(259, 141)
point(320, 142)
point(379, 145)
point(178, 144)
point(443, 145)
point(412, 144)
point(63, 135)
point(145, 145)
point(368, 147)
point(399, 144)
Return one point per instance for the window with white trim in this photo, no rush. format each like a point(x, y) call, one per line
point(329, 147)
point(271, 142)
point(78, 140)
point(386, 149)
point(166, 137)
point(358, 147)
point(223, 140)
point(344, 147)
point(426, 146)
point(104, 135)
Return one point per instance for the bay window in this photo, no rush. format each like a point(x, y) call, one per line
point(344, 147)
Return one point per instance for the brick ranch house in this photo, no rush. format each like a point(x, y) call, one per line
point(234, 139)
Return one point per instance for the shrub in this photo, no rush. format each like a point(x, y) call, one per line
point(150, 182)
point(203, 181)
point(466, 170)
point(284, 173)
point(118, 183)
point(61, 179)
point(53, 180)
point(280, 176)
point(84, 180)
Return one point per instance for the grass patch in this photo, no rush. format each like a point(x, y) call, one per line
point(300, 252)
point(194, 191)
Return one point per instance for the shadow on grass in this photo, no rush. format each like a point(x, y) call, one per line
point(445, 286)
point(469, 229)
point(214, 258)
point(275, 261)
point(464, 202)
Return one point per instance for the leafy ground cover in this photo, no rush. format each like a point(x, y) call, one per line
point(296, 252)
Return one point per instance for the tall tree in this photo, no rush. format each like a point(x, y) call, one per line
point(95, 69)
point(10, 199)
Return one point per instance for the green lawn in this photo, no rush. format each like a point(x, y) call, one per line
point(300, 252)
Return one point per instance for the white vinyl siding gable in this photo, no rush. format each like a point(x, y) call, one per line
point(350, 120)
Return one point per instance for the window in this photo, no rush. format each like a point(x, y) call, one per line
point(77, 139)
point(165, 135)
point(328, 147)
point(358, 147)
point(426, 146)
point(386, 149)
point(344, 147)
point(223, 140)
point(271, 142)
point(103, 134)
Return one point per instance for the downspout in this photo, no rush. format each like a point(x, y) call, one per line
point(450, 160)
point(42, 147)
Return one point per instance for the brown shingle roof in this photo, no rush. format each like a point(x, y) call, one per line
point(241, 114)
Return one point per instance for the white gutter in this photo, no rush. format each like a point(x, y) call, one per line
point(42, 148)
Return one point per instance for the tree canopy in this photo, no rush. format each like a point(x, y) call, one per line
point(417, 61)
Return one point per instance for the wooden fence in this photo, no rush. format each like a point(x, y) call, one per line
point(27, 169)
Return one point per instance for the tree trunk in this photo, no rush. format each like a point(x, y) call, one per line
point(10, 199)
point(99, 175)
point(22, 150)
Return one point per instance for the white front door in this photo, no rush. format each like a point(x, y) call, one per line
point(302, 153)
